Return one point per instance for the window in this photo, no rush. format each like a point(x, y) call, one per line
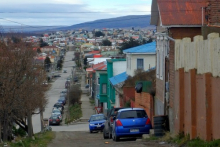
point(133, 114)
point(104, 88)
point(140, 64)
point(98, 81)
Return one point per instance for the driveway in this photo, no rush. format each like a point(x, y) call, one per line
point(86, 139)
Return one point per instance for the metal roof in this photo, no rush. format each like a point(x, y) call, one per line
point(181, 12)
point(118, 78)
point(149, 48)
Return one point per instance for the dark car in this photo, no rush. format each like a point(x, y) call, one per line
point(59, 106)
point(67, 84)
point(75, 79)
point(54, 120)
point(107, 132)
point(62, 100)
point(64, 91)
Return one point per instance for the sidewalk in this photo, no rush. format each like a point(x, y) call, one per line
point(87, 108)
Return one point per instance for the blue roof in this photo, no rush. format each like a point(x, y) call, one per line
point(149, 48)
point(118, 78)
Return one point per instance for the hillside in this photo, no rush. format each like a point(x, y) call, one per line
point(136, 21)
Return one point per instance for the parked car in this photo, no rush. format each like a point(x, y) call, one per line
point(45, 83)
point(54, 120)
point(64, 91)
point(107, 132)
point(96, 122)
point(75, 79)
point(62, 100)
point(130, 122)
point(67, 84)
point(57, 112)
point(87, 86)
point(64, 71)
point(58, 106)
point(63, 94)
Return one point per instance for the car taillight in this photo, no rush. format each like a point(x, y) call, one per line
point(118, 123)
point(50, 119)
point(111, 120)
point(148, 122)
point(58, 120)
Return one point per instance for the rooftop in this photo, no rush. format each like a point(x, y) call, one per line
point(149, 48)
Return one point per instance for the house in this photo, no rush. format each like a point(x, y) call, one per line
point(175, 20)
point(142, 57)
point(50, 50)
point(107, 92)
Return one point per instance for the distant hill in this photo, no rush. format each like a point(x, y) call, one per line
point(136, 21)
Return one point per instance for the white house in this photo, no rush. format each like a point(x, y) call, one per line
point(142, 57)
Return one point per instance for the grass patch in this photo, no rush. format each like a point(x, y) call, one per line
point(184, 140)
point(200, 143)
point(75, 113)
point(41, 140)
point(152, 137)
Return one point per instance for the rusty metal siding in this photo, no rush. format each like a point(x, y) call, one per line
point(215, 107)
point(181, 12)
point(187, 104)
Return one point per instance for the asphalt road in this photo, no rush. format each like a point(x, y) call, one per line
point(86, 139)
point(53, 94)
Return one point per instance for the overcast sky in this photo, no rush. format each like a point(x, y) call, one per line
point(67, 12)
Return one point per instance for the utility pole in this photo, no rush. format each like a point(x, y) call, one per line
point(1, 33)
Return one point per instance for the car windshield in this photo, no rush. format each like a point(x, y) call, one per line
point(132, 114)
point(57, 105)
point(98, 117)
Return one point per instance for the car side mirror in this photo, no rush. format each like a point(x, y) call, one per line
point(114, 118)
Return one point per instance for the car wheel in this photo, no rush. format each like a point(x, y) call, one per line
point(104, 135)
point(114, 137)
point(109, 135)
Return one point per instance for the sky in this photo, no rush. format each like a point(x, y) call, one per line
point(67, 12)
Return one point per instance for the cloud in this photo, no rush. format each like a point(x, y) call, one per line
point(68, 12)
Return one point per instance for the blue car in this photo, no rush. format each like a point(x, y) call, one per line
point(97, 122)
point(130, 122)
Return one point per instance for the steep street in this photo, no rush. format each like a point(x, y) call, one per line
point(53, 94)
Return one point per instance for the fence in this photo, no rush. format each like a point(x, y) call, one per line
point(197, 82)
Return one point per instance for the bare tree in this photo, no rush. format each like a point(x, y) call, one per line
point(21, 87)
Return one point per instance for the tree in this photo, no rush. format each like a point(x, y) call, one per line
point(21, 90)
point(106, 42)
point(99, 33)
point(129, 44)
point(47, 62)
point(42, 43)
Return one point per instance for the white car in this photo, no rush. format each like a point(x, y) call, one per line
point(57, 112)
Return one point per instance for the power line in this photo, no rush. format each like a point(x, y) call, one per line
point(28, 26)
